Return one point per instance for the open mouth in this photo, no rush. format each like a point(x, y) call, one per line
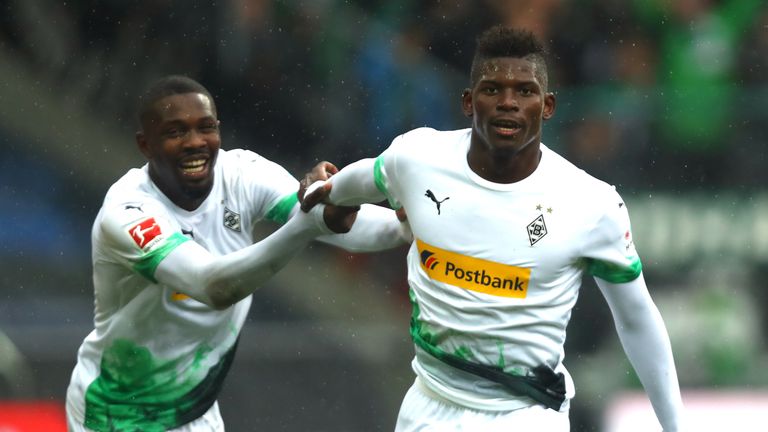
point(194, 167)
point(506, 127)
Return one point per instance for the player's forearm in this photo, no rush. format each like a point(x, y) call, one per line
point(645, 340)
point(376, 228)
point(355, 184)
point(221, 281)
point(650, 353)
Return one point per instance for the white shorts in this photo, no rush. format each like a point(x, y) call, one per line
point(424, 411)
point(211, 421)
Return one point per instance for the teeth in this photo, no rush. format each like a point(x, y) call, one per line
point(194, 166)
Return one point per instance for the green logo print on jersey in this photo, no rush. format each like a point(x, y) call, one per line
point(542, 384)
point(427, 340)
point(136, 392)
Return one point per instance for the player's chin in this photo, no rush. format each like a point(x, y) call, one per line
point(196, 188)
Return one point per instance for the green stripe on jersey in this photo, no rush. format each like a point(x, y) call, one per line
point(147, 265)
point(615, 273)
point(381, 184)
point(282, 210)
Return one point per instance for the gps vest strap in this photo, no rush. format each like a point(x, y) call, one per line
point(544, 386)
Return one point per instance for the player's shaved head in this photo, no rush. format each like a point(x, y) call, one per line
point(164, 87)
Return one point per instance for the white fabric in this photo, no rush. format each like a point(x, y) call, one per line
point(220, 281)
point(211, 421)
point(372, 221)
point(424, 411)
point(376, 228)
point(645, 340)
point(547, 230)
point(155, 267)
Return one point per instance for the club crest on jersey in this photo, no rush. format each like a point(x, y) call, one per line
point(231, 220)
point(536, 230)
point(145, 233)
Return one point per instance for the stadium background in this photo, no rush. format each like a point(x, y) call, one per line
point(664, 98)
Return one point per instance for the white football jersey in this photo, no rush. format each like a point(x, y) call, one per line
point(495, 269)
point(157, 358)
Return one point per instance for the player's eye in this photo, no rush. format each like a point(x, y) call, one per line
point(209, 128)
point(174, 133)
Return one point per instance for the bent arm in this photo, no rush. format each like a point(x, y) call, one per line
point(375, 229)
point(221, 281)
point(646, 343)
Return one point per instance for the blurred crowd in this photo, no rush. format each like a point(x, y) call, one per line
point(654, 96)
point(673, 89)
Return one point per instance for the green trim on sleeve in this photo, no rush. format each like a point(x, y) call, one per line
point(282, 210)
point(381, 185)
point(615, 273)
point(147, 265)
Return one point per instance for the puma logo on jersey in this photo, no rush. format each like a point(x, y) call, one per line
point(144, 232)
point(188, 233)
point(135, 207)
point(434, 199)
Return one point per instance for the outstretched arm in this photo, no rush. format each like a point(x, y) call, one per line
point(353, 185)
point(646, 343)
point(221, 281)
point(376, 228)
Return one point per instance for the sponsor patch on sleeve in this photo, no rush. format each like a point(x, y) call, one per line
point(146, 233)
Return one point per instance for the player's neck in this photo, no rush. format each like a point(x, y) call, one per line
point(502, 166)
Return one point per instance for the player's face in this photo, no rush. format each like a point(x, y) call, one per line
point(507, 105)
point(181, 141)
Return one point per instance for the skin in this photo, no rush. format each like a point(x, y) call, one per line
point(508, 106)
point(180, 139)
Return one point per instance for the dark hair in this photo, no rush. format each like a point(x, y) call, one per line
point(168, 86)
point(500, 41)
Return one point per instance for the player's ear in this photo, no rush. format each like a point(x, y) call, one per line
point(549, 106)
point(141, 142)
point(466, 102)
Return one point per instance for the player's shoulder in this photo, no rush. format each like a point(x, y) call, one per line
point(428, 141)
point(235, 158)
point(132, 196)
point(427, 135)
point(134, 185)
point(577, 182)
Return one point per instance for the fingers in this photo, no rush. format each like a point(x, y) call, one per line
point(329, 168)
point(316, 193)
point(401, 216)
point(321, 171)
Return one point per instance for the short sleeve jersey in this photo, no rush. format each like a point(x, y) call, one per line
point(156, 358)
point(495, 269)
